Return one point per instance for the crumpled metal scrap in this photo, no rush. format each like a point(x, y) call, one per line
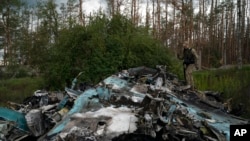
point(139, 103)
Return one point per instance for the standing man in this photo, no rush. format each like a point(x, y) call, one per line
point(190, 62)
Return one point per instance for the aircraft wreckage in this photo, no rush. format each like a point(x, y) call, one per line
point(142, 104)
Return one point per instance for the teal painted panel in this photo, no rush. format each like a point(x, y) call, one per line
point(11, 115)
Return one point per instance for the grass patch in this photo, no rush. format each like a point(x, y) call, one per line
point(232, 83)
point(16, 90)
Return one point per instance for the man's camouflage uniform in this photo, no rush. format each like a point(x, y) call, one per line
point(190, 62)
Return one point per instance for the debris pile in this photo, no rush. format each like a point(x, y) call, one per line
point(147, 104)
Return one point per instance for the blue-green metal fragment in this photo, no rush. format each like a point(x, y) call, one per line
point(17, 117)
point(80, 103)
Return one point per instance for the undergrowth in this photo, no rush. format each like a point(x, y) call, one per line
point(231, 83)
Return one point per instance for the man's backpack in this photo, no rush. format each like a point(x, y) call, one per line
point(188, 56)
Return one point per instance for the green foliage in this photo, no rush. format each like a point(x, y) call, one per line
point(15, 71)
point(100, 49)
point(233, 83)
point(17, 89)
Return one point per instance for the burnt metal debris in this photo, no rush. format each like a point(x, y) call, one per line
point(143, 104)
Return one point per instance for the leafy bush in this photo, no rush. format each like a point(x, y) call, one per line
point(17, 89)
point(101, 49)
point(14, 71)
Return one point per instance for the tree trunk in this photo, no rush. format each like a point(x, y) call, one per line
point(239, 37)
point(158, 13)
point(153, 18)
point(81, 20)
point(8, 42)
